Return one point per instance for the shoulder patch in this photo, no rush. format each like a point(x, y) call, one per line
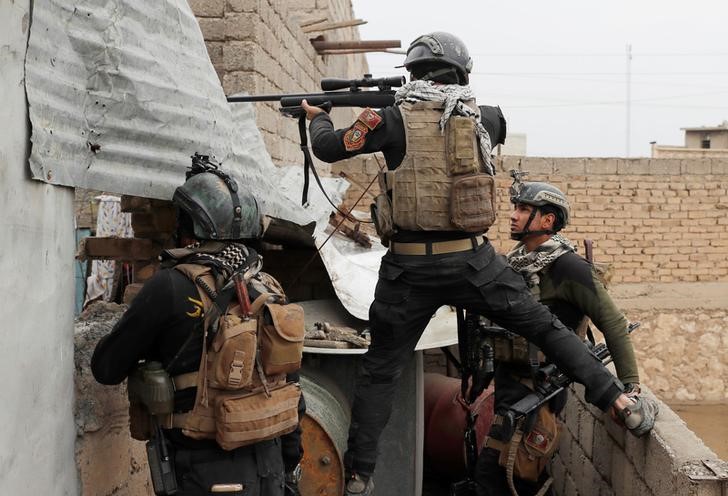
point(355, 137)
point(370, 118)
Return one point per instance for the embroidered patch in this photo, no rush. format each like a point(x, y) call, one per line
point(370, 118)
point(355, 137)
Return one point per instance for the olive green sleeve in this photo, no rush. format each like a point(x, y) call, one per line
point(600, 308)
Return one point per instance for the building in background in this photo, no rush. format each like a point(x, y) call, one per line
point(515, 145)
point(700, 142)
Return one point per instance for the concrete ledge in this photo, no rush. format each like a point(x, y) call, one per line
point(670, 296)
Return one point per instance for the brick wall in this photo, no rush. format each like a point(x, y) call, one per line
point(596, 457)
point(257, 46)
point(653, 220)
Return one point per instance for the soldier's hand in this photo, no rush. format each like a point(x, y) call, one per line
point(311, 111)
point(636, 413)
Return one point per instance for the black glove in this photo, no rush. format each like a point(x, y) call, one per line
point(291, 481)
point(639, 418)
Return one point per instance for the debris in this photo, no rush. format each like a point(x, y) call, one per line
point(326, 335)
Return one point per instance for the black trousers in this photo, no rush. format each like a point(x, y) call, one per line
point(259, 468)
point(409, 291)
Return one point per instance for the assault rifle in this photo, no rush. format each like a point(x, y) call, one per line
point(477, 370)
point(549, 382)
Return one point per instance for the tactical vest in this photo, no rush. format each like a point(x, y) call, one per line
point(242, 394)
point(441, 184)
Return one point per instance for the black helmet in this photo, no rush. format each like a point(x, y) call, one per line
point(219, 209)
point(440, 49)
point(545, 197)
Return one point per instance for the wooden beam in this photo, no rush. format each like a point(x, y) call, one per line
point(334, 25)
point(322, 45)
point(313, 20)
point(129, 249)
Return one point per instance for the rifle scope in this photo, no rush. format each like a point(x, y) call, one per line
point(385, 83)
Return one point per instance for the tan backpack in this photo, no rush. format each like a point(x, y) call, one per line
point(242, 393)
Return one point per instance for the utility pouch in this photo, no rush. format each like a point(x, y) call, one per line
point(461, 146)
point(535, 447)
point(510, 349)
point(255, 417)
point(381, 211)
point(281, 338)
point(140, 425)
point(231, 356)
point(472, 202)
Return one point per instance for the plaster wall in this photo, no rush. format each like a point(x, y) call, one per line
point(37, 244)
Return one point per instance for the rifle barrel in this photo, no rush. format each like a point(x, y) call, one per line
point(267, 98)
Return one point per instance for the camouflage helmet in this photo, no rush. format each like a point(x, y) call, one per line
point(219, 209)
point(539, 194)
point(440, 48)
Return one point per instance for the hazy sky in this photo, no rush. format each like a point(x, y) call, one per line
point(558, 68)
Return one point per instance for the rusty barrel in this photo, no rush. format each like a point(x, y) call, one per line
point(324, 431)
point(445, 415)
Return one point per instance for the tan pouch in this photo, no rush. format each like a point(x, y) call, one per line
point(281, 338)
point(472, 202)
point(536, 447)
point(256, 417)
point(461, 146)
point(231, 357)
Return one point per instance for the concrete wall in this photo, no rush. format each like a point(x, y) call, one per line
point(683, 326)
point(596, 457)
point(257, 46)
point(37, 246)
point(664, 151)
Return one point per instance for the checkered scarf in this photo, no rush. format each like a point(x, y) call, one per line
point(225, 258)
point(529, 264)
point(453, 96)
point(232, 258)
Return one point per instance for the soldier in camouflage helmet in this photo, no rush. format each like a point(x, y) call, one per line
point(568, 285)
point(215, 214)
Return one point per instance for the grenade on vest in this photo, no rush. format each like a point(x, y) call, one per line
point(151, 385)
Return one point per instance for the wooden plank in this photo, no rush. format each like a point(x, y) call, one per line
point(329, 26)
point(129, 249)
point(313, 20)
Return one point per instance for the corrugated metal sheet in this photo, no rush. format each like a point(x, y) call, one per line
point(122, 93)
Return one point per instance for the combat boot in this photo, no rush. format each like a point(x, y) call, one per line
point(359, 485)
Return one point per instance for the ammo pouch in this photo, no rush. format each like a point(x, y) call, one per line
point(281, 338)
point(254, 417)
point(534, 448)
point(472, 202)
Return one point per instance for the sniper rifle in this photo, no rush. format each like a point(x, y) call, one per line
point(338, 92)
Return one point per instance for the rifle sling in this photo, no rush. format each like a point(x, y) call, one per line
point(308, 166)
